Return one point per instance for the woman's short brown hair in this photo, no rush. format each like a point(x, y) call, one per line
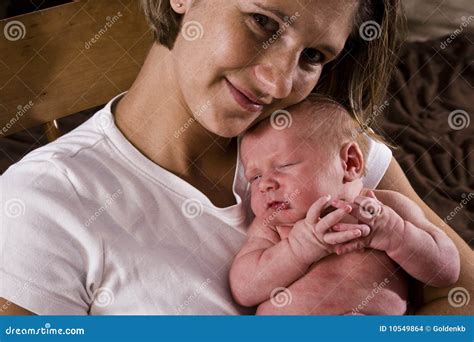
point(357, 79)
point(163, 20)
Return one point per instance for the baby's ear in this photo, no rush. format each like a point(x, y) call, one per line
point(352, 161)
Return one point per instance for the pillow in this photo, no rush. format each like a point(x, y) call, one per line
point(429, 19)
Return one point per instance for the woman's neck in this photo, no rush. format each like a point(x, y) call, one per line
point(154, 117)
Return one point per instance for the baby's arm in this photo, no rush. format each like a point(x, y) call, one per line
point(410, 239)
point(266, 262)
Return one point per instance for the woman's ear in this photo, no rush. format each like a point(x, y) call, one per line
point(180, 6)
point(352, 161)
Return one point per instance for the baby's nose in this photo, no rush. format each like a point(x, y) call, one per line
point(268, 184)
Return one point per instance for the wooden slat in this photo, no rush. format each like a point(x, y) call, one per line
point(52, 130)
point(72, 57)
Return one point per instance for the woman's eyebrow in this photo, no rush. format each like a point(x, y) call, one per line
point(283, 16)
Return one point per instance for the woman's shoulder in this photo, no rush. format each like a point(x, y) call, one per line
point(377, 162)
point(84, 137)
point(77, 152)
point(62, 174)
point(91, 136)
point(43, 228)
point(49, 194)
point(37, 188)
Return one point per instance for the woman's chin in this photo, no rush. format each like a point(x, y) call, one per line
point(226, 122)
point(227, 128)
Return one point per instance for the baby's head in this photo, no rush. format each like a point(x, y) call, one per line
point(321, 152)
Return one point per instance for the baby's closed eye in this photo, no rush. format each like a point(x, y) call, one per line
point(254, 178)
point(287, 165)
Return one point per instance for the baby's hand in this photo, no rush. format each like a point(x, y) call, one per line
point(312, 239)
point(385, 224)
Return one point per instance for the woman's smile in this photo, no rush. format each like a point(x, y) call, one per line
point(242, 98)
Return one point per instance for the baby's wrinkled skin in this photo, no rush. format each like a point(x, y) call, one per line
point(354, 259)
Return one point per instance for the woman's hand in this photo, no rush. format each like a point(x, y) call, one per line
point(386, 225)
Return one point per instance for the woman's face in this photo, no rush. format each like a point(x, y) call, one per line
point(238, 61)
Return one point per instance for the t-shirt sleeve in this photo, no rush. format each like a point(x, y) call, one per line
point(378, 160)
point(49, 262)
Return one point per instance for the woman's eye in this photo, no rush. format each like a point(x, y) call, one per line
point(313, 56)
point(265, 22)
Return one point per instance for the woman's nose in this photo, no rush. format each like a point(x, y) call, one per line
point(268, 183)
point(276, 76)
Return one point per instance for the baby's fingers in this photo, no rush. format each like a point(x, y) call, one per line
point(334, 238)
point(330, 220)
point(315, 210)
point(341, 227)
point(349, 247)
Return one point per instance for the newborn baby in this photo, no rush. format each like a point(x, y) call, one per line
point(306, 254)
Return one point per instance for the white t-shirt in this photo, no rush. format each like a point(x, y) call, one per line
point(91, 226)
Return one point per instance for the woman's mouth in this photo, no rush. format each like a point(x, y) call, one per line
point(242, 100)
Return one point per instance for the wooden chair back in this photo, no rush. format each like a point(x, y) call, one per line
point(68, 58)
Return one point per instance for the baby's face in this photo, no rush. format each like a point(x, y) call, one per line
point(287, 174)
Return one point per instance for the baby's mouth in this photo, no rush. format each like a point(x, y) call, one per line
point(276, 205)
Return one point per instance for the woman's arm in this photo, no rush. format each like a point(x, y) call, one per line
point(435, 300)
